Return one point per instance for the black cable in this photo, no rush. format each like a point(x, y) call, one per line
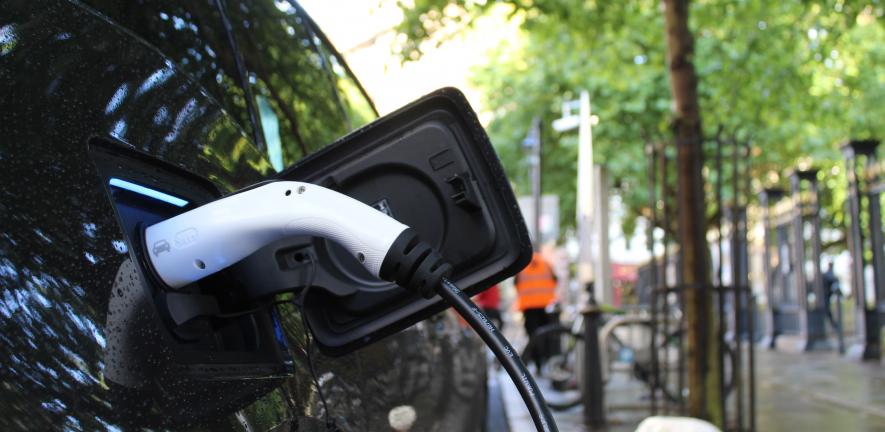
point(503, 351)
point(308, 333)
point(330, 424)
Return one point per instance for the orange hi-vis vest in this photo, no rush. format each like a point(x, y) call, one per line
point(535, 285)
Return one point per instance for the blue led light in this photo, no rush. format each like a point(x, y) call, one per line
point(148, 192)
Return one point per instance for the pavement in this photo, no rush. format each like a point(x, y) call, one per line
point(817, 391)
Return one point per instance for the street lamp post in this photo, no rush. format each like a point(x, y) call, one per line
point(532, 144)
point(588, 273)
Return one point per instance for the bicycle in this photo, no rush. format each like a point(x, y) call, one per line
point(562, 367)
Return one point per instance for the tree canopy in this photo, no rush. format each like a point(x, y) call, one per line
point(795, 78)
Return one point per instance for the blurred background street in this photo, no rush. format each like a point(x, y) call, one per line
point(736, 263)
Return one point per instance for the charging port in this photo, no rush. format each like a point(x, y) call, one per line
point(209, 328)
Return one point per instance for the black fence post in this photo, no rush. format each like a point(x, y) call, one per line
point(806, 199)
point(592, 387)
point(861, 184)
point(767, 198)
point(652, 154)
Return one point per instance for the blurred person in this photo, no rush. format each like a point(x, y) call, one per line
point(535, 290)
point(489, 301)
point(831, 288)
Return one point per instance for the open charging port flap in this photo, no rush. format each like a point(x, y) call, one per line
point(429, 165)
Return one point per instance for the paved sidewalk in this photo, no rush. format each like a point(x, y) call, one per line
point(818, 391)
point(795, 392)
point(625, 394)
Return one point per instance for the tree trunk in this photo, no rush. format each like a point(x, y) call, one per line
point(702, 365)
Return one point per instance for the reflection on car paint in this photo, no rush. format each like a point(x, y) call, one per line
point(62, 250)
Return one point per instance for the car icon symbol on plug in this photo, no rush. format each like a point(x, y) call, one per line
point(161, 246)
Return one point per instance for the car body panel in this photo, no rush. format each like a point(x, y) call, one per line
point(68, 74)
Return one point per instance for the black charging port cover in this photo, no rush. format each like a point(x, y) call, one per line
point(431, 166)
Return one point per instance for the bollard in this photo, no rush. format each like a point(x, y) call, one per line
point(592, 396)
point(841, 333)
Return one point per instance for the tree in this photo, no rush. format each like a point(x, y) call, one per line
point(794, 77)
point(703, 398)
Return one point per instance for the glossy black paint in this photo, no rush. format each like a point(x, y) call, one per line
point(159, 78)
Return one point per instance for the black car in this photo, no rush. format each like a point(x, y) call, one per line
point(231, 91)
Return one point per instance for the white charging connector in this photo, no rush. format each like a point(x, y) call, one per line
point(205, 240)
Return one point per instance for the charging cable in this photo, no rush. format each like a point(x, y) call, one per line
point(331, 426)
point(504, 352)
point(210, 238)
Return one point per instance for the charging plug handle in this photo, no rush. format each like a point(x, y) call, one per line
point(210, 238)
